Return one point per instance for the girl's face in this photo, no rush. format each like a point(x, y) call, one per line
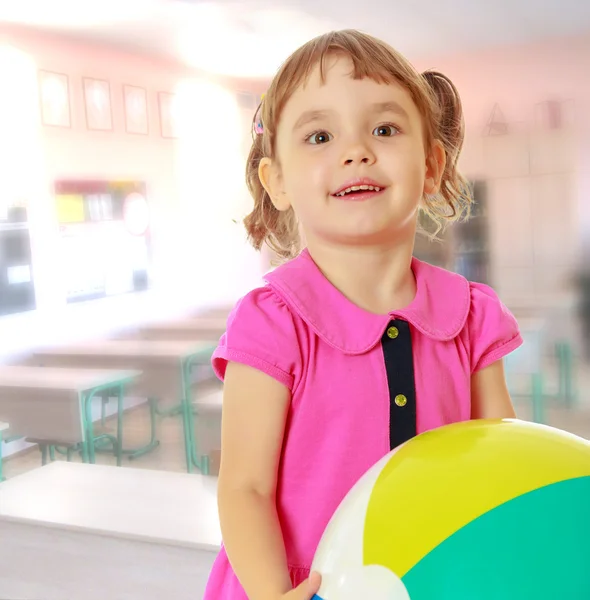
point(352, 133)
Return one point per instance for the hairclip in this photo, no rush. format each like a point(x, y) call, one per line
point(258, 127)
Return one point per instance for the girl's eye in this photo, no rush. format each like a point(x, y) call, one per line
point(385, 130)
point(319, 137)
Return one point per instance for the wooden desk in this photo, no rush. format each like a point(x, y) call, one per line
point(55, 403)
point(215, 311)
point(95, 532)
point(166, 368)
point(158, 360)
point(188, 329)
point(559, 310)
point(560, 336)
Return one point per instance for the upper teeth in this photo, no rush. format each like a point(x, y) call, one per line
point(356, 188)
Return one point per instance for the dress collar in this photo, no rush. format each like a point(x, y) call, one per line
point(439, 309)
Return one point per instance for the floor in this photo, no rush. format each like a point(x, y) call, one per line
point(169, 456)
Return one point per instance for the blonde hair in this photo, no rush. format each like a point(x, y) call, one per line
point(434, 94)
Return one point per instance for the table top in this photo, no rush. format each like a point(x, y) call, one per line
point(143, 349)
point(56, 378)
point(536, 302)
point(191, 324)
point(153, 506)
point(533, 330)
point(531, 323)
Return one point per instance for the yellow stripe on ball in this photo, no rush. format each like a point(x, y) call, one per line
point(443, 479)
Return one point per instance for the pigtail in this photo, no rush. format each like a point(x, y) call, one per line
point(266, 224)
point(455, 197)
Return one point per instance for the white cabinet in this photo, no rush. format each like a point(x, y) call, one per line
point(553, 151)
point(533, 210)
point(554, 223)
point(510, 214)
point(506, 155)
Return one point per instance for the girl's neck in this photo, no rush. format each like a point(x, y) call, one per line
point(378, 279)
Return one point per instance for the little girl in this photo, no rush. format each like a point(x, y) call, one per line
point(353, 346)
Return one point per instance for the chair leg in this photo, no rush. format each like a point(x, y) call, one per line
point(537, 398)
point(566, 392)
point(43, 448)
point(569, 391)
point(1, 469)
point(103, 404)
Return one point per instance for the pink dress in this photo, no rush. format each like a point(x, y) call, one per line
point(361, 383)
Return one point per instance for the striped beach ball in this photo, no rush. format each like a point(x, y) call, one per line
point(485, 509)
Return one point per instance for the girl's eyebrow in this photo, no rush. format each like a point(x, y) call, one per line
point(390, 106)
point(309, 116)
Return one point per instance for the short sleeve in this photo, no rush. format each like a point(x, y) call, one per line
point(260, 334)
point(492, 329)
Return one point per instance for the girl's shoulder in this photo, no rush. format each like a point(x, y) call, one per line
point(450, 305)
point(462, 304)
point(260, 333)
point(261, 306)
point(491, 328)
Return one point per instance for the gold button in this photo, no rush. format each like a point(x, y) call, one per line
point(392, 332)
point(400, 400)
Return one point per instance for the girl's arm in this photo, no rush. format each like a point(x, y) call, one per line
point(255, 408)
point(490, 398)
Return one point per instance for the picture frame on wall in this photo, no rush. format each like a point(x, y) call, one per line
point(555, 114)
point(168, 116)
point(54, 99)
point(97, 104)
point(136, 110)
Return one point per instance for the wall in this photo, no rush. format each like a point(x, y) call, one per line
point(539, 182)
point(195, 184)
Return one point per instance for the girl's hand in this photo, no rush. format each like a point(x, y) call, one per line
point(305, 590)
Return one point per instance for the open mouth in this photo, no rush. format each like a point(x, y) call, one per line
point(359, 192)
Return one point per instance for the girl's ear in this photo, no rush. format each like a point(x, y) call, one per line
point(271, 179)
point(435, 167)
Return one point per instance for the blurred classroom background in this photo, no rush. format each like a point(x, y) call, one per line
point(124, 129)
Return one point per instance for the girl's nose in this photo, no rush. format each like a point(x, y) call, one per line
point(358, 154)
